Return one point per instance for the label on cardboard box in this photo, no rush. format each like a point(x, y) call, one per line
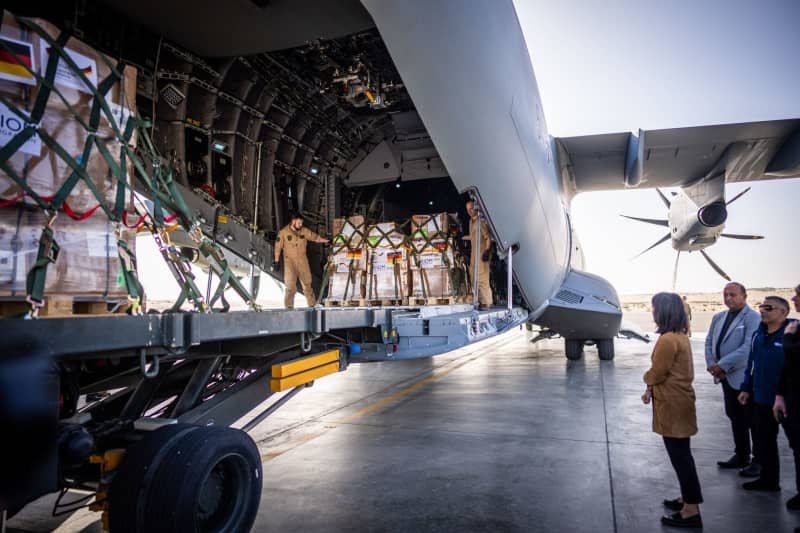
point(6, 266)
point(98, 246)
point(349, 258)
point(10, 125)
point(120, 113)
point(65, 74)
point(14, 53)
point(429, 261)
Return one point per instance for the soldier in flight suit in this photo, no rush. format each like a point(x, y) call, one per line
point(480, 254)
point(292, 240)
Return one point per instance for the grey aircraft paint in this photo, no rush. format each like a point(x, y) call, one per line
point(507, 159)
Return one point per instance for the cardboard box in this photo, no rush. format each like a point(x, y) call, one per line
point(348, 233)
point(349, 259)
point(340, 289)
point(431, 226)
point(424, 255)
point(387, 273)
point(43, 169)
point(87, 265)
point(436, 281)
point(385, 234)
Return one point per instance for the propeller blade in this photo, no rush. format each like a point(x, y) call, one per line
point(662, 239)
point(656, 221)
point(715, 266)
point(735, 236)
point(663, 198)
point(729, 202)
point(675, 271)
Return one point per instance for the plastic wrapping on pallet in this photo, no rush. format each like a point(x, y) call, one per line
point(87, 263)
point(43, 169)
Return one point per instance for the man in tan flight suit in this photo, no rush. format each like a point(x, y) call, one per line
point(292, 240)
point(480, 254)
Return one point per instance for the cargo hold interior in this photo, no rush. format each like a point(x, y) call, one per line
point(326, 129)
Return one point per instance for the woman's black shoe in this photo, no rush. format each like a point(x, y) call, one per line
point(676, 520)
point(734, 462)
point(760, 484)
point(794, 503)
point(673, 505)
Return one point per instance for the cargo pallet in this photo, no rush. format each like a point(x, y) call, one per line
point(64, 306)
point(355, 302)
point(369, 302)
point(436, 300)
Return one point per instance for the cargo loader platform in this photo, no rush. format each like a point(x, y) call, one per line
point(94, 403)
point(415, 331)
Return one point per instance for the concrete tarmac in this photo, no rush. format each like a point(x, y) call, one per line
point(499, 436)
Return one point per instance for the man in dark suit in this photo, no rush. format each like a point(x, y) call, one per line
point(727, 349)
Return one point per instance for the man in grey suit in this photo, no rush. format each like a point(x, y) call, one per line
point(727, 349)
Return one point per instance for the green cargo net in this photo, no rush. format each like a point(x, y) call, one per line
point(155, 178)
point(351, 243)
point(439, 240)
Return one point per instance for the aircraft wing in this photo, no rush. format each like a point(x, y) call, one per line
point(749, 151)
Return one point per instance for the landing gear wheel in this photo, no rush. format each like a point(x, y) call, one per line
point(187, 478)
point(573, 348)
point(605, 349)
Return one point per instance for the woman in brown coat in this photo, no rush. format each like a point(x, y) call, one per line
point(669, 386)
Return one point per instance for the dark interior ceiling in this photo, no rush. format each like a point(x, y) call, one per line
point(245, 27)
point(258, 129)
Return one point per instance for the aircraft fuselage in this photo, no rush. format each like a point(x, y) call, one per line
point(469, 73)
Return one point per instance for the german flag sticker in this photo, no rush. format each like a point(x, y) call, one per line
point(65, 75)
point(17, 61)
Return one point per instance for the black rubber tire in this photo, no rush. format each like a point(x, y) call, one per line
point(160, 482)
point(210, 481)
point(135, 474)
point(573, 348)
point(605, 349)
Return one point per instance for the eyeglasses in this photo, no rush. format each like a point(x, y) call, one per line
point(768, 307)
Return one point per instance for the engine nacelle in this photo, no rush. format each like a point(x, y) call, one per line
point(713, 214)
point(693, 227)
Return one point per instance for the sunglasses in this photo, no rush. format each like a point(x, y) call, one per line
point(768, 307)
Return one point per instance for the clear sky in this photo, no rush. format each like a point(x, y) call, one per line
point(621, 65)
